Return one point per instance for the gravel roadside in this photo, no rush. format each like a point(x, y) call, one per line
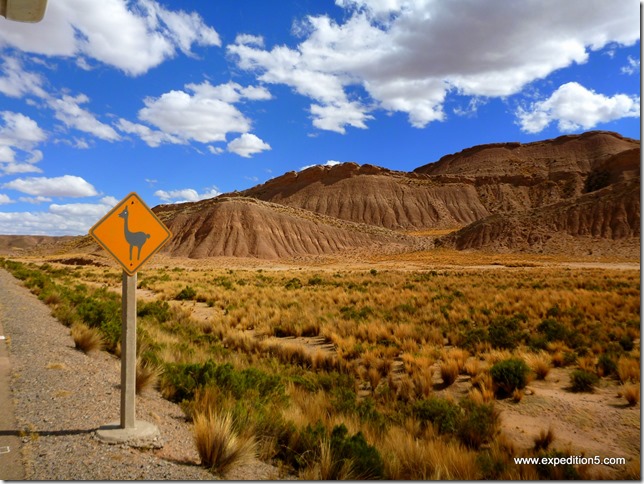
point(62, 396)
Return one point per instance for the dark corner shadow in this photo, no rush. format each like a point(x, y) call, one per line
point(45, 433)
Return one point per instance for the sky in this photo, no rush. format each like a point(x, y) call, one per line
point(184, 100)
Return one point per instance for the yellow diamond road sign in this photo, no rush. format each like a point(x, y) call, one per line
point(131, 232)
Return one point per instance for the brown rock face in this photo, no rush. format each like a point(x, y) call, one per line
point(568, 194)
point(244, 227)
point(375, 196)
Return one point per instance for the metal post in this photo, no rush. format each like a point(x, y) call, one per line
point(128, 352)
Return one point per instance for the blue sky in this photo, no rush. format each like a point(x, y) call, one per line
point(183, 100)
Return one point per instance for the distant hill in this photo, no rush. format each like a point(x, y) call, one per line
point(574, 194)
point(245, 227)
point(375, 196)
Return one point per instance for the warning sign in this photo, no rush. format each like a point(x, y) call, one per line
point(131, 232)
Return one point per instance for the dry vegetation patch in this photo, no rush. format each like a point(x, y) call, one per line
point(396, 369)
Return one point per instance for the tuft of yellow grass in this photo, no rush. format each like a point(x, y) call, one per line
point(540, 363)
point(628, 370)
point(86, 339)
point(147, 375)
point(409, 458)
point(218, 444)
point(631, 393)
point(449, 372)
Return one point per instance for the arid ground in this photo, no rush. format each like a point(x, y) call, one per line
point(399, 349)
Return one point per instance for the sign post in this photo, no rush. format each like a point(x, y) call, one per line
point(132, 234)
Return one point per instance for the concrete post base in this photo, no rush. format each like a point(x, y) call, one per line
point(144, 434)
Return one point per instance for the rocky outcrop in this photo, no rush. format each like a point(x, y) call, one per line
point(244, 227)
point(611, 213)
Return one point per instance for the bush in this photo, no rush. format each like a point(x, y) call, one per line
point(293, 283)
point(186, 294)
point(366, 460)
point(159, 310)
point(508, 375)
point(606, 365)
point(478, 424)
point(583, 381)
point(503, 332)
point(552, 330)
point(444, 414)
point(180, 381)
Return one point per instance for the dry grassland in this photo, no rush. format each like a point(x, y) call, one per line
point(340, 371)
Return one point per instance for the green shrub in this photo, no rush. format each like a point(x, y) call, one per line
point(366, 460)
point(552, 329)
point(478, 424)
point(159, 310)
point(471, 337)
point(502, 332)
point(444, 414)
point(508, 375)
point(583, 381)
point(180, 381)
point(186, 294)
point(607, 365)
point(294, 283)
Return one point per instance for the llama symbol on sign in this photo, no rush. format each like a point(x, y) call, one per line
point(135, 239)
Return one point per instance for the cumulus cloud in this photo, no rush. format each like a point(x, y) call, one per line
point(19, 136)
point(573, 106)
point(133, 36)
point(186, 195)
point(68, 110)
point(153, 138)
point(59, 219)
point(409, 55)
point(247, 145)
point(203, 112)
point(62, 186)
point(4, 199)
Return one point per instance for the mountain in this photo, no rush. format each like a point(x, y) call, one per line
point(565, 194)
point(574, 194)
point(376, 196)
point(245, 227)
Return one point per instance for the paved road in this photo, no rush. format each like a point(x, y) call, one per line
point(11, 467)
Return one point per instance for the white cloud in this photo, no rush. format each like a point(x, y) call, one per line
point(248, 39)
point(4, 199)
point(633, 66)
point(186, 195)
point(247, 145)
point(62, 186)
point(153, 138)
point(409, 55)
point(133, 36)
point(215, 150)
point(60, 219)
point(205, 113)
point(573, 106)
point(16, 82)
point(35, 200)
point(328, 163)
point(68, 110)
point(19, 135)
